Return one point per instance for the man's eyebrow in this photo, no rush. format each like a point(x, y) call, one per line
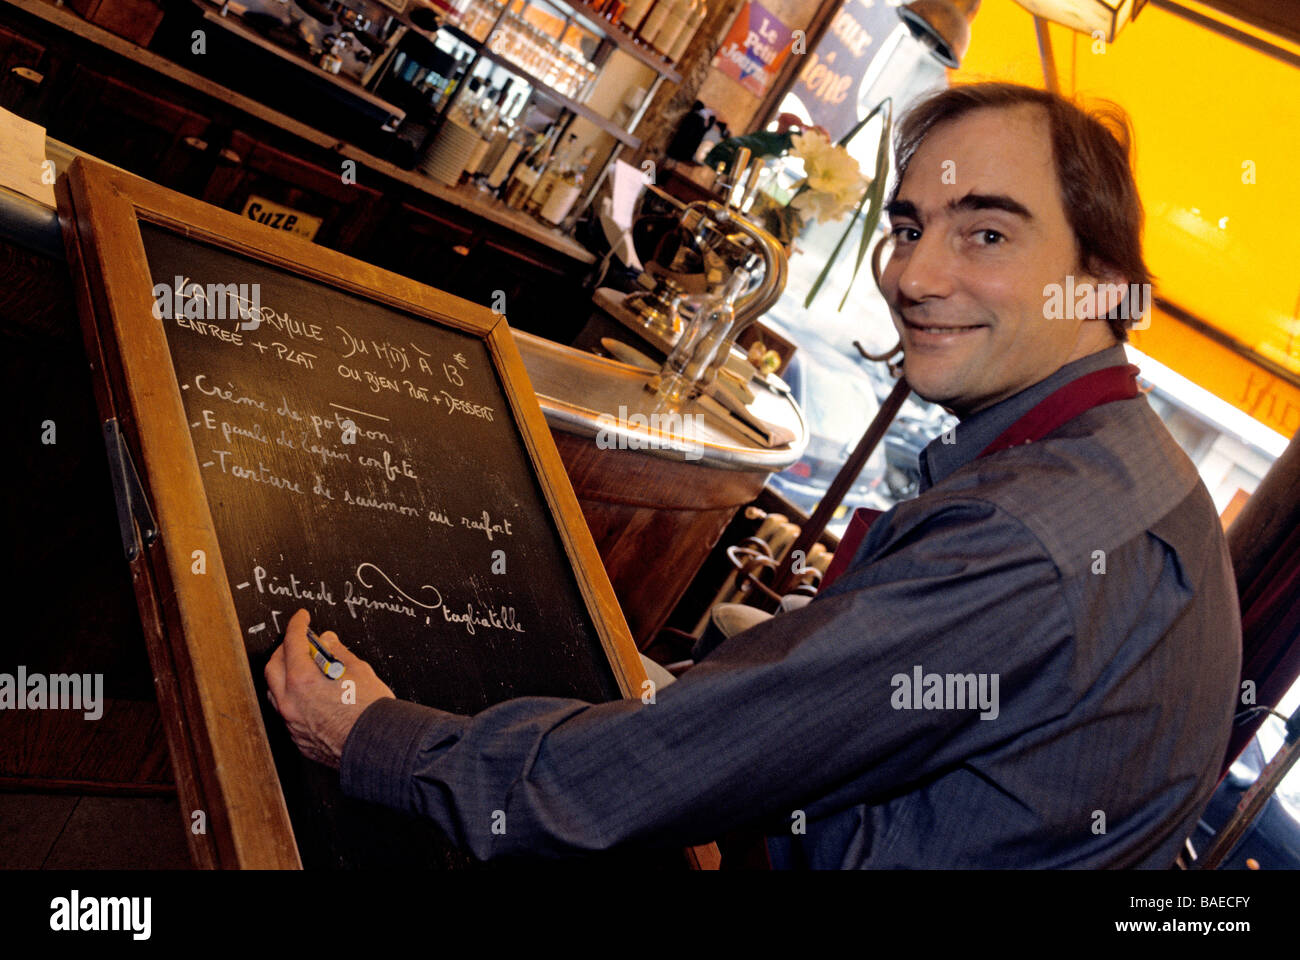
point(971, 201)
point(990, 201)
point(903, 208)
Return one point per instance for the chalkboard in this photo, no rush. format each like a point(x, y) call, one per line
point(366, 448)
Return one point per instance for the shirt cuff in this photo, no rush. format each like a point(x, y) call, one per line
point(382, 748)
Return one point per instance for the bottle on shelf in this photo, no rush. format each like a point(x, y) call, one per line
point(673, 25)
point(548, 175)
point(523, 179)
point(635, 13)
point(532, 145)
point(501, 169)
point(654, 20)
point(497, 129)
point(614, 11)
point(567, 186)
point(486, 112)
point(501, 107)
point(504, 158)
point(475, 114)
point(457, 75)
point(478, 93)
point(693, 22)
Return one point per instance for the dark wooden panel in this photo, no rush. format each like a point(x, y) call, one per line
point(654, 521)
point(22, 75)
point(348, 209)
point(542, 294)
point(122, 833)
point(426, 246)
point(58, 505)
point(126, 125)
point(136, 20)
point(125, 750)
point(30, 823)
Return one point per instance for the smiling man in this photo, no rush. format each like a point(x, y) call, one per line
point(1032, 664)
point(982, 235)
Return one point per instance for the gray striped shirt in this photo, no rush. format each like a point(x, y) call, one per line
point(1083, 578)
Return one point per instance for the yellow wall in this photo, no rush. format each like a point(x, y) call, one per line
point(1210, 114)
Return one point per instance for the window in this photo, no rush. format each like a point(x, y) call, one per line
point(839, 390)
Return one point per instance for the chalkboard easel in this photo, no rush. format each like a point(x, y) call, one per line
point(347, 440)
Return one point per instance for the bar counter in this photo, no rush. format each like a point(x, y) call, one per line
point(655, 504)
point(465, 197)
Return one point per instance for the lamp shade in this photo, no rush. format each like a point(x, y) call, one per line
point(943, 26)
point(1087, 16)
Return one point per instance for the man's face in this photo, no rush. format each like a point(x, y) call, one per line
point(979, 229)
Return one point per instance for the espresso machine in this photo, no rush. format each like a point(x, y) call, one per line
point(693, 248)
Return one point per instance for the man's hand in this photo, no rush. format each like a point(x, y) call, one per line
point(313, 705)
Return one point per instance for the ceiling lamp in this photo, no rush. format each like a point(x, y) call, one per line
point(942, 26)
point(1108, 17)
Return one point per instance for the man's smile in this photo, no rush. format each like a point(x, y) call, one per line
point(929, 333)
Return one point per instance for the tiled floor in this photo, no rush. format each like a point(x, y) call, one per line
point(54, 831)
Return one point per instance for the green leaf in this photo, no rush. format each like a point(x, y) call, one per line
point(877, 192)
point(765, 143)
point(835, 254)
point(857, 127)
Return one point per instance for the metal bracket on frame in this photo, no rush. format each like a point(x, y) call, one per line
point(132, 508)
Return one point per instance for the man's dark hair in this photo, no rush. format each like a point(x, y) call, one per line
point(1091, 152)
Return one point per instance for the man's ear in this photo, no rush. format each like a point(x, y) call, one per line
point(1106, 287)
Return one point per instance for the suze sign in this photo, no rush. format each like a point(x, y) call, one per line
point(281, 218)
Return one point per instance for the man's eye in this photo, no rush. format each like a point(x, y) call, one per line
point(905, 233)
point(989, 237)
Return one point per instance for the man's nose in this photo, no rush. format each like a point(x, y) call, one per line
point(927, 269)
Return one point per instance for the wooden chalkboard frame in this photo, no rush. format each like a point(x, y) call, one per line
point(220, 752)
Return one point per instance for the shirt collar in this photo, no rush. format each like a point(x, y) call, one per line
point(965, 442)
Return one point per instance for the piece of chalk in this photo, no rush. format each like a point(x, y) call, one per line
point(328, 665)
point(332, 669)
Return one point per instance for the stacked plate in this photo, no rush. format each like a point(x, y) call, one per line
point(446, 157)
